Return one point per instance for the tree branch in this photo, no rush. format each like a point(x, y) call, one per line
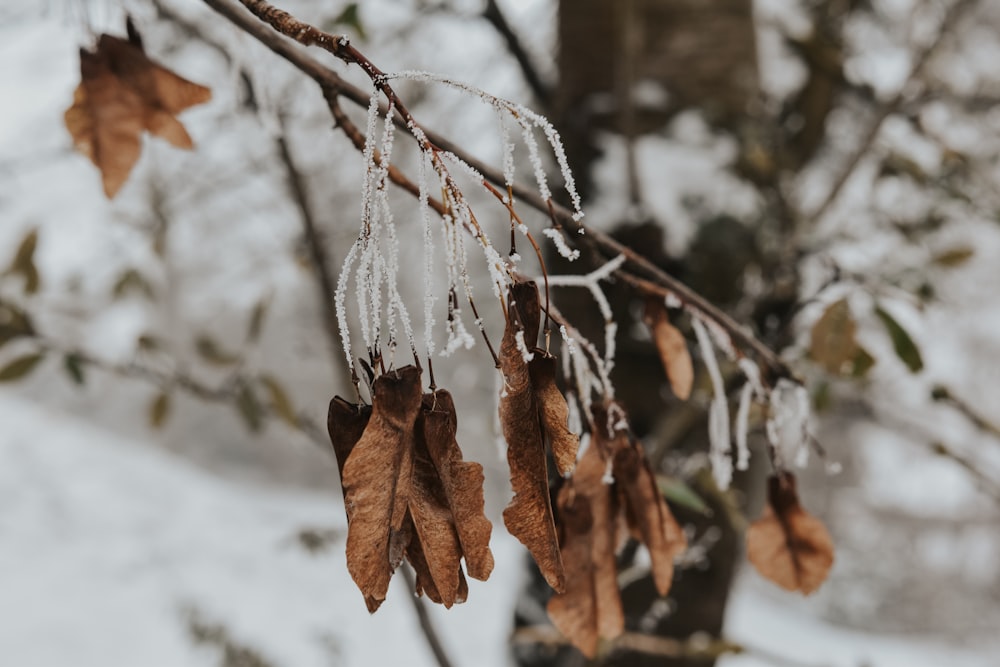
point(890, 106)
point(643, 274)
point(539, 88)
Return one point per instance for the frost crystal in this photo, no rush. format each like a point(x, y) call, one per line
point(561, 246)
point(788, 426)
point(526, 354)
point(718, 414)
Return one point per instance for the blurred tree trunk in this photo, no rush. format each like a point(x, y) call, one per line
point(626, 67)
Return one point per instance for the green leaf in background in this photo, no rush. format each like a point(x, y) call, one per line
point(14, 323)
point(954, 257)
point(159, 409)
point(24, 262)
point(678, 492)
point(249, 408)
point(148, 342)
point(213, 353)
point(132, 281)
point(279, 400)
point(351, 18)
point(20, 367)
point(863, 363)
point(902, 343)
point(73, 363)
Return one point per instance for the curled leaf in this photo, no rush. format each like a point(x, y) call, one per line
point(528, 517)
point(647, 513)
point(788, 545)
point(461, 482)
point(672, 348)
point(553, 411)
point(574, 612)
point(377, 479)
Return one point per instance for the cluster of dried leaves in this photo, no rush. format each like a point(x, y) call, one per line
point(409, 494)
point(407, 491)
point(122, 93)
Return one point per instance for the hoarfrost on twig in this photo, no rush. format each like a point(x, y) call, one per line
point(788, 425)
point(718, 413)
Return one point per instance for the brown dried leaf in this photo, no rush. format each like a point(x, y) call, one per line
point(377, 480)
point(553, 411)
point(528, 517)
point(788, 545)
point(648, 514)
point(832, 343)
point(122, 92)
point(591, 608)
point(672, 347)
point(574, 612)
point(346, 422)
point(461, 481)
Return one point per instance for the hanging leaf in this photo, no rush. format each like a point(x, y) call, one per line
point(24, 262)
point(591, 607)
point(212, 352)
point(461, 482)
point(20, 367)
point(279, 400)
point(249, 408)
point(954, 257)
point(346, 423)
point(833, 345)
point(647, 513)
point(377, 481)
point(553, 411)
point(902, 343)
point(574, 612)
point(788, 545)
point(159, 409)
point(122, 92)
point(672, 347)
point(73, 363)
point(132, 281)
point(528, 517)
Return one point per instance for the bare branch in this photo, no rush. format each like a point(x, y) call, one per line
point(539, 88)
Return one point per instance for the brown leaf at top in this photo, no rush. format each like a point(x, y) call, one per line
point(377, 480)
point(553, 411)
point(788, 545)
point(574, 612)
point(672, 347)
point(461, 481)
point(648, 514)
point(528, 517)
point(122, 92)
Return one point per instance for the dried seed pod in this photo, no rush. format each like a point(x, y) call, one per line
point(788, 545)
point(377, 479)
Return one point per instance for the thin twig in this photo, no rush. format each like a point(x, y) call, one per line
point(496, 18)
point(426, 624)
point(891, 105)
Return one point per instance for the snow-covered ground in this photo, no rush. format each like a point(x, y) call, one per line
point(106, 544)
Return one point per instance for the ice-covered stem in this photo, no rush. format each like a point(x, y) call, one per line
point(637, 272)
